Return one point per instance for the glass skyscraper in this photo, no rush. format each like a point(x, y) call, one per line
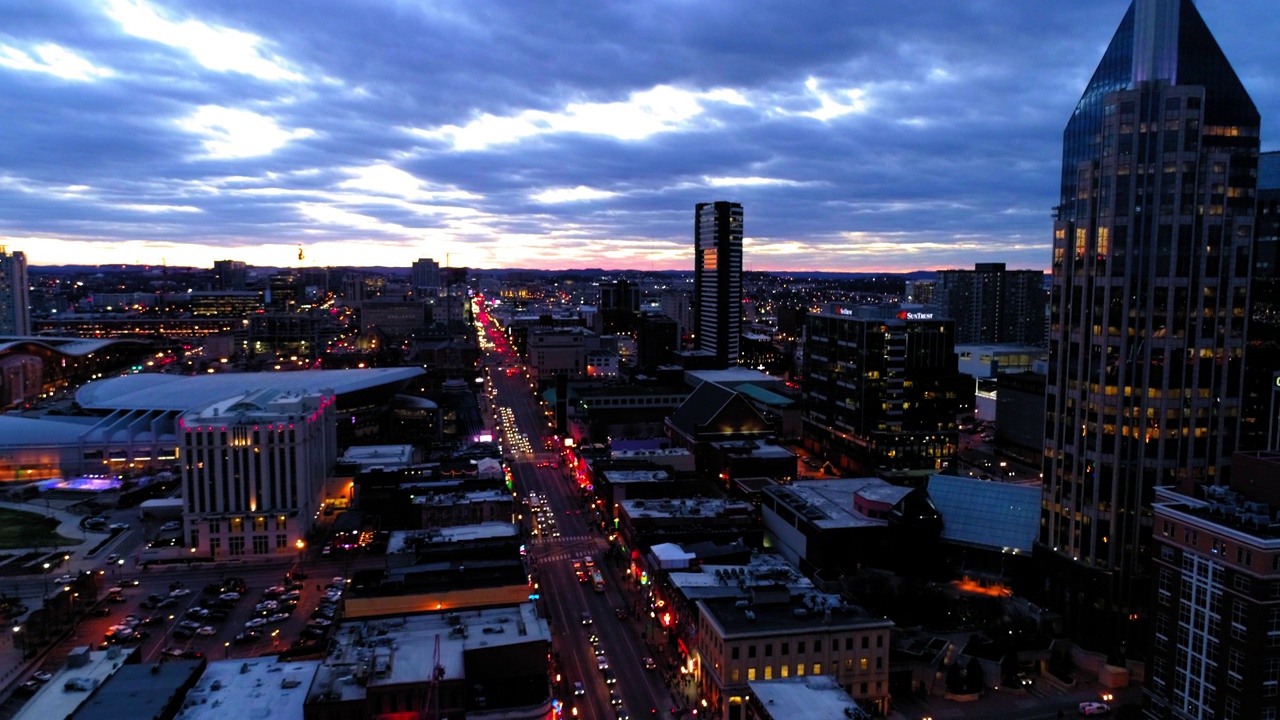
point(1147, 311)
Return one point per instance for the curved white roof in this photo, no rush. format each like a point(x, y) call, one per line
point(156, 391)
point(18, 431)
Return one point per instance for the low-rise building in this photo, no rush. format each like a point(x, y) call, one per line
point(248, 688)
point(775, 635)
point(645, 523)
point(486, 664)
point(829, 524)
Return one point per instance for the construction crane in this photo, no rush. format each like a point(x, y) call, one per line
point(431, 706)
point(300, 255)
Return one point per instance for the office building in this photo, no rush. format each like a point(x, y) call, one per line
point(230, 275)
point(1259, 429)
point(1148, 305)
point(1214, 637)
point(254, 470)
point(426, 276)
point(15, 302)
point(993, 305)
point(880, 391)
point(717, 280)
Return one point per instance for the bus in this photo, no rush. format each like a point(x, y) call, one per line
point(597, 580)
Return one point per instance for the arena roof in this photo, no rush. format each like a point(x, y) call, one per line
point(155, 391)
point(18, 431)
point(69, 346)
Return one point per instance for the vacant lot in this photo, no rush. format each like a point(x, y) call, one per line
point(24, 530)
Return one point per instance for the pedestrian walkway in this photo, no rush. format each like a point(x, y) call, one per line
point(69, 527)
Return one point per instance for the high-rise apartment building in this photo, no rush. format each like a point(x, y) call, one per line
point(230, 274)
point(1148, 309)
point(15, 302)
point(993, 305)
point(717, 279)
point(426, 276)
point(880, 390)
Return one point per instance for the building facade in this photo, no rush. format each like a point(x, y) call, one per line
point(254, 471)
point(880, 390)
point(717, 279)
point(993, 305)
point(15, 301)
point(774, 635)
point(1148, 308)
point(426, 276)
point(1214, 637)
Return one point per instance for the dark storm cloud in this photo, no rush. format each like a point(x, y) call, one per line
point(920, 133)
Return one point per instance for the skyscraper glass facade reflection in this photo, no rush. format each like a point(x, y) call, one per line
point(1148, 308)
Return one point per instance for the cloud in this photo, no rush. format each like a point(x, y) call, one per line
point(216, 48)
point(54, 60)
point(236, 133)
point(554, 134)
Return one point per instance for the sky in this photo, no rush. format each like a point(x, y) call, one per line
point(859, 136)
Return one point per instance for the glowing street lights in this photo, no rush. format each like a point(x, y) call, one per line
point(301, 545)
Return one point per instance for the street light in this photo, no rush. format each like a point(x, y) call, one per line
point(301, 545)
point(46, 581)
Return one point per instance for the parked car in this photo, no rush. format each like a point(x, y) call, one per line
point(1094, 708)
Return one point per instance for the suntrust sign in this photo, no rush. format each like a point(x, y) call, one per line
point(904, 315)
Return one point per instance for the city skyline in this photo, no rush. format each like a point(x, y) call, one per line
point(924, 136)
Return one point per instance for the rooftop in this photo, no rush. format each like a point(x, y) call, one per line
point(399, 650)
point(765, 569)
point(619, 477)
point(683, 508)
point(253, 689)
point(995, 515)
point(409, 540)
point(53, 701)
point(814, 697)
point(460, 498)
point(140, 691)
point(729, 376)
point(155, 391)
point(807, 613)
point(828, 504)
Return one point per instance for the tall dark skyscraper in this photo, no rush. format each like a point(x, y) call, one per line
point(717, 279)
point(1148, 309)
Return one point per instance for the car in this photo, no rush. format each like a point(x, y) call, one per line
point(246, 637)
point(1094, 708)
point(28, 688)
point(1023, 680)
point(207, 630)
point(593, 638)
point(599, 649)
point(615, 699)
point(42, 676)
point(229, 597)
point(179, 592)
point(121, 527)
point(609, 677)
point(167, 602)
point(620, 613)
point(586, 618)
point(152, 620)
point(184, 633)
point(102, 611)
point(64, 579)
point(578, 689)
point(273, 592)
point(216, 614)
point(602, 662)
point(112, 558)
point(320, 622)
point(623, 714)
point(313, 632)
point(191, 625)
point(255, 623)
point(649, 664)
point(292, 596)
point(278, 617)
point(171, 525)
point(197, 613)
point(148, 604)
point(128, 582)
point(171, 652)
point(190, 654)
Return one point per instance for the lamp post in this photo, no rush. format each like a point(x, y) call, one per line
point(302, 546)
point(17, 640)
point(46, 582)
